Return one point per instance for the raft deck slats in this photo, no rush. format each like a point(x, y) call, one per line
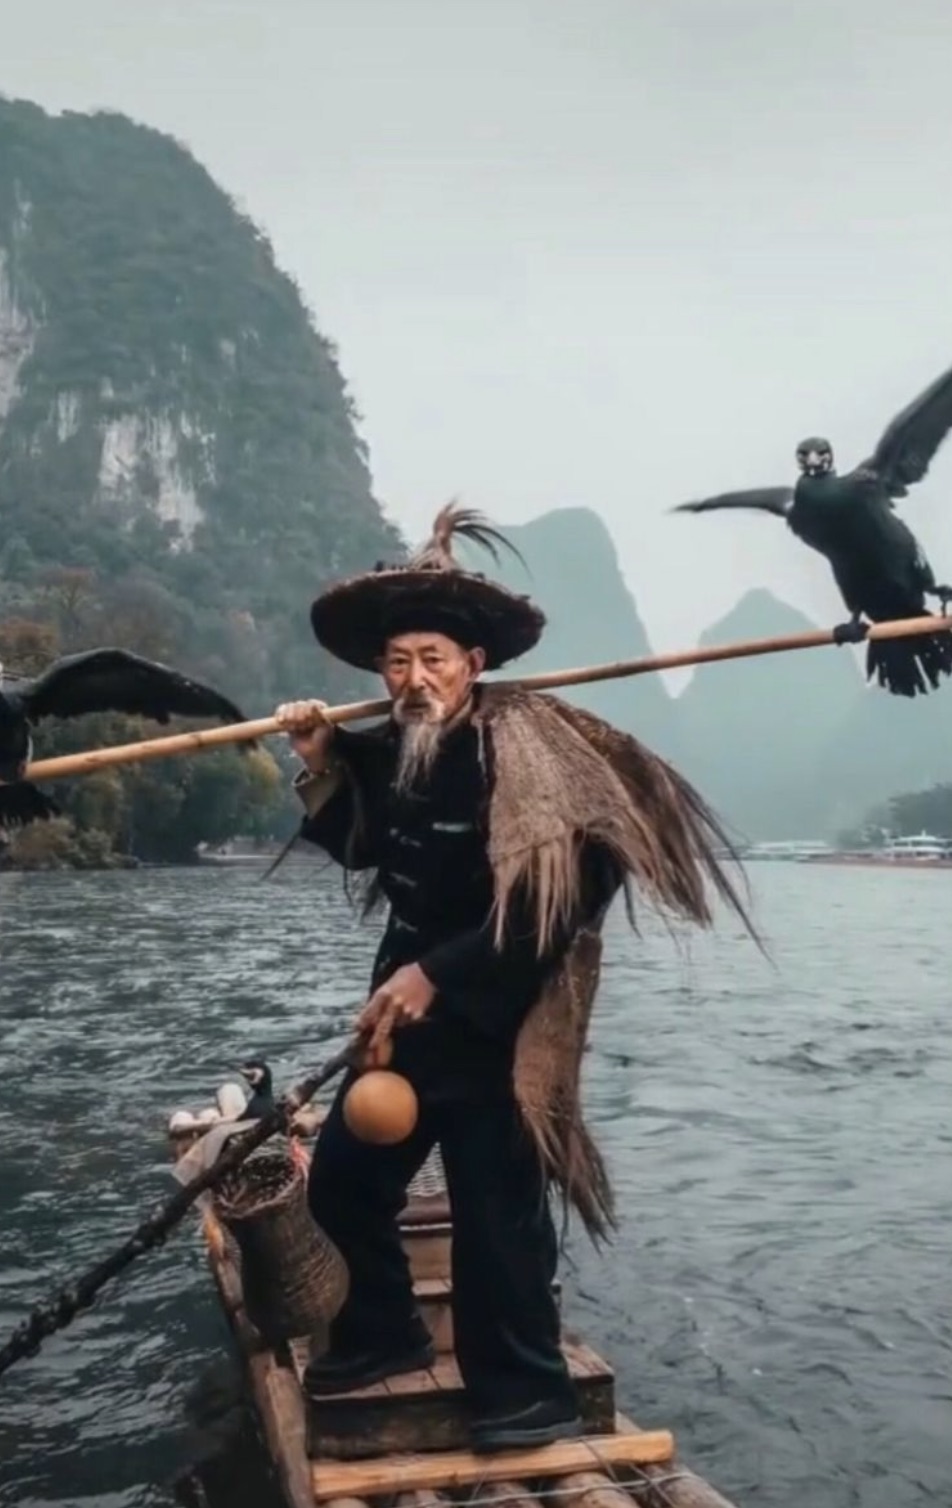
point(669, 1486)
point(462, 1468)
point(505, 1494)
point(429, 1249)
point(604, 1470)
point(592, 1489)
point(426, 1411)
point(674, 1487)
point(435, 1298)
point(276, 1390)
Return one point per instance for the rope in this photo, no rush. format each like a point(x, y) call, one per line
point(59, 1311)
point(543, 1494)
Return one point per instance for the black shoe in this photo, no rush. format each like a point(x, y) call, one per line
point(361, 1369)
point(539, 1424)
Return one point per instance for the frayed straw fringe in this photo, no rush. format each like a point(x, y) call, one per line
point(562, 777)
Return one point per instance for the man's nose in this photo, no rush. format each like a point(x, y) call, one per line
point(416, 678)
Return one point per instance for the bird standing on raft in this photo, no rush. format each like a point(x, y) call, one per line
point(97, 680)
point(878, 564)
point(259, 1078)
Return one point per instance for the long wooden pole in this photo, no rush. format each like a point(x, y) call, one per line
point(62, 1309)
point(85, 763)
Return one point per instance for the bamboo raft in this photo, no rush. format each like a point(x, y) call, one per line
point(403, 1443)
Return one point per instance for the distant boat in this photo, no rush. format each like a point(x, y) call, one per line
point(921, 851)
point(792, 850)
point(236, 851)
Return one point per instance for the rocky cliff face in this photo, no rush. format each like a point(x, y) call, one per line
point(169, 416)
point(17, 336)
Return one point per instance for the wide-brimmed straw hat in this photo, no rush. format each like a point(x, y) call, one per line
point(431, 592)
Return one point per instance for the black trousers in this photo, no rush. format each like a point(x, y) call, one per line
point(505, 1317)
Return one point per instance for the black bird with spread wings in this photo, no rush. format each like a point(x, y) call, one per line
point(98, 680)
point(877, 562)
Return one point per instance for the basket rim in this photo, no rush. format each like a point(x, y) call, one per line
point(294, 1175)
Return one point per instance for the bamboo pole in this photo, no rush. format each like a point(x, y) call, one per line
point(45, 1319)
point(90, 760)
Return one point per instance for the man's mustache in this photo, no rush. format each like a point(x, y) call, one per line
point(418, 701)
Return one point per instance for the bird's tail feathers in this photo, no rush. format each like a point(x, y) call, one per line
point(908, 667)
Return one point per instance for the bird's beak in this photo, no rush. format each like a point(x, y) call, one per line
point(246, 1073)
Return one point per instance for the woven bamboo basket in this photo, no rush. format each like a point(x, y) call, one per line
point(294, 1280)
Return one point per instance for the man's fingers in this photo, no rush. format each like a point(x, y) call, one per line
point(384, 1025)
point(369, 1056)
point(381, 1030)
point(370, 1014)
point(377, 1020)
point(300, 717)
point(379, 1056)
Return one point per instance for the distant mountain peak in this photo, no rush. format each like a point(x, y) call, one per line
point(576, 578)
point(572, 516)
point(758, 614)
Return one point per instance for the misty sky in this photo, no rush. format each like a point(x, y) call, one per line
point(602, 252)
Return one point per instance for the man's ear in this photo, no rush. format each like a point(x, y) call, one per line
point(477, 660)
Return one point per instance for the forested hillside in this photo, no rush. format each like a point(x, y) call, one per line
point(180, 464)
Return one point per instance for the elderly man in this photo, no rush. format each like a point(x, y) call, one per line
point(499, 825)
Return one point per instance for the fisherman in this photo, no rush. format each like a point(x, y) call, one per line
point(499, 825)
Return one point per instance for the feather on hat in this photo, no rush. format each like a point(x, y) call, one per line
point(431, 592)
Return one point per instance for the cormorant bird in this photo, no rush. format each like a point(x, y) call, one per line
point(97, 680)
point(878, 564)
point(258, 1074)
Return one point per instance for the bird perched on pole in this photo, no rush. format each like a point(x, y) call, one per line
point(97, 680)
point(878, 564)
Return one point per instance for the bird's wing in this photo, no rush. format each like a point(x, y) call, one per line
point(115, 680)
point(908, 444)
point(776, 500)
point(22, 803)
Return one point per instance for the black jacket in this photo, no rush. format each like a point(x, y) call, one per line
point(429, 849)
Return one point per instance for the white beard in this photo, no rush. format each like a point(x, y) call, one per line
point(420, 742)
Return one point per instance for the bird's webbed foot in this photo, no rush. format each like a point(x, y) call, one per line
point(853, 632)
point(944, 594)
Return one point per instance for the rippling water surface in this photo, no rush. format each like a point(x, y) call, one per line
point(780, 1134)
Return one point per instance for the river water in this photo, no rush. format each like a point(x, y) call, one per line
point(780, 1134)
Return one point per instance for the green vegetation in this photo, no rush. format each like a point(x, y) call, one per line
point(180, 469)
point(914, 812)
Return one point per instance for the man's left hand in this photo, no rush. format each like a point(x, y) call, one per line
point(402, 999)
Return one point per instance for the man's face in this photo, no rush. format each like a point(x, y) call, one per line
point(428, 676)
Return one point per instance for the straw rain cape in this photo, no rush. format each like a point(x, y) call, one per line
point(558, 776)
